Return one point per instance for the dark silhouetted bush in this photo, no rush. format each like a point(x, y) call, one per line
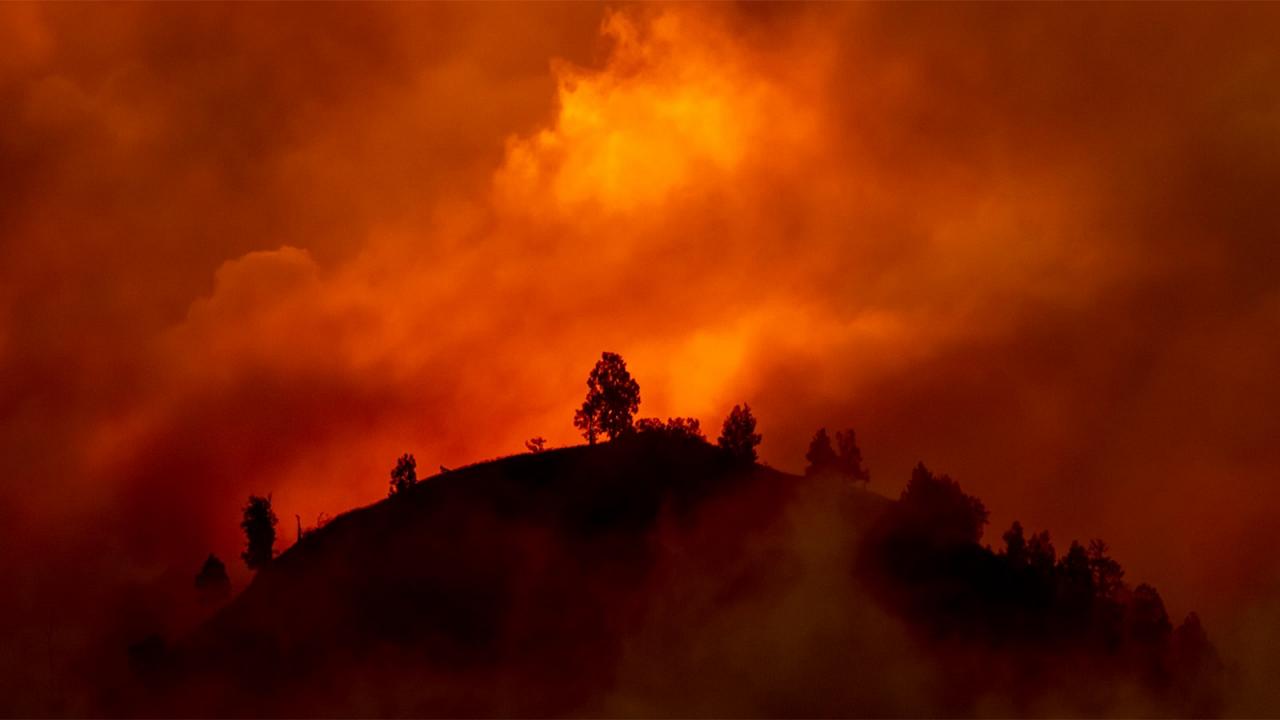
point(677, 427)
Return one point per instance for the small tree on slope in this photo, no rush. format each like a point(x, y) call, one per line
point(738, 436)
point(259, 525)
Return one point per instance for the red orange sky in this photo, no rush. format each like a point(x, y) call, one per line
point(268, 248)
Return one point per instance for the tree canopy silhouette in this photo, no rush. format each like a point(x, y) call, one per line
point(259, 525)
point(849, 457)
point(935, 509)
point(676, 427)
point(924, 559)
point(404, 475)
point(844, 459)
point(212, 582)
point(821, 456)
point(738, 436)
point(613, 397)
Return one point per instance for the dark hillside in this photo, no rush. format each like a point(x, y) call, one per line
point(519, 586)
point(656, 576)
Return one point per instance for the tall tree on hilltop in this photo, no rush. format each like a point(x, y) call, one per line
point(821, 456)
point(259, 525)
point(739, 436)
point(613, 397)
point(404, 475)
point(849, 458)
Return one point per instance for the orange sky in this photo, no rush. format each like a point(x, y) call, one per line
point(255, 248)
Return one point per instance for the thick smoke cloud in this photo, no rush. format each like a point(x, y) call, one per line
point(252, 249)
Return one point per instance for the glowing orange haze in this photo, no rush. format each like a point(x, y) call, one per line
point(267, 249)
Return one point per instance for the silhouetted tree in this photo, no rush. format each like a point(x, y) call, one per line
point(821, 456)
point(849, 457)
point(212, 582)
point(404, 475)
point(613, 397)
point(1190, 646)
point(935, 509)
point(1075, 584)
point(1147, 619)
point(1108, 576)
point(1041, 555)
point(738, 436)
point(1015, 546)
point(536, 444)
point(685, 427)
point(1196, 668)
point(676, 427)
point(259, 525)
point(650, 425)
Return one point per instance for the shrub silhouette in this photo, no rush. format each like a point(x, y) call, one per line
point(404, 475)
point(212, 582)
point(738, 436)
point(613, 397)
point(259, 525)
point(535, 444)
point(676, 427)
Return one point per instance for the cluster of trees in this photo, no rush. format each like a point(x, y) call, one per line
point(613, 397)
point(925, 556)
point(844, 459)
point(258, 521)
point(676, 427)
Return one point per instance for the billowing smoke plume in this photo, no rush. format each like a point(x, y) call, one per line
point(267, 249)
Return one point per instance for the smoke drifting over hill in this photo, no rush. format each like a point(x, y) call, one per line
point(251, 249)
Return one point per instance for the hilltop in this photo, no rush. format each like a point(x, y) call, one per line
point(657, 575)
point(527, 585)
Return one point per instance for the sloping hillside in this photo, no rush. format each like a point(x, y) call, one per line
point(615, 578)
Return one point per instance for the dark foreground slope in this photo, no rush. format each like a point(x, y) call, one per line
point(654, 576)
point(645, 576)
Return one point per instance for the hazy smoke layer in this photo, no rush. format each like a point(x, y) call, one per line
point(252, 249)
